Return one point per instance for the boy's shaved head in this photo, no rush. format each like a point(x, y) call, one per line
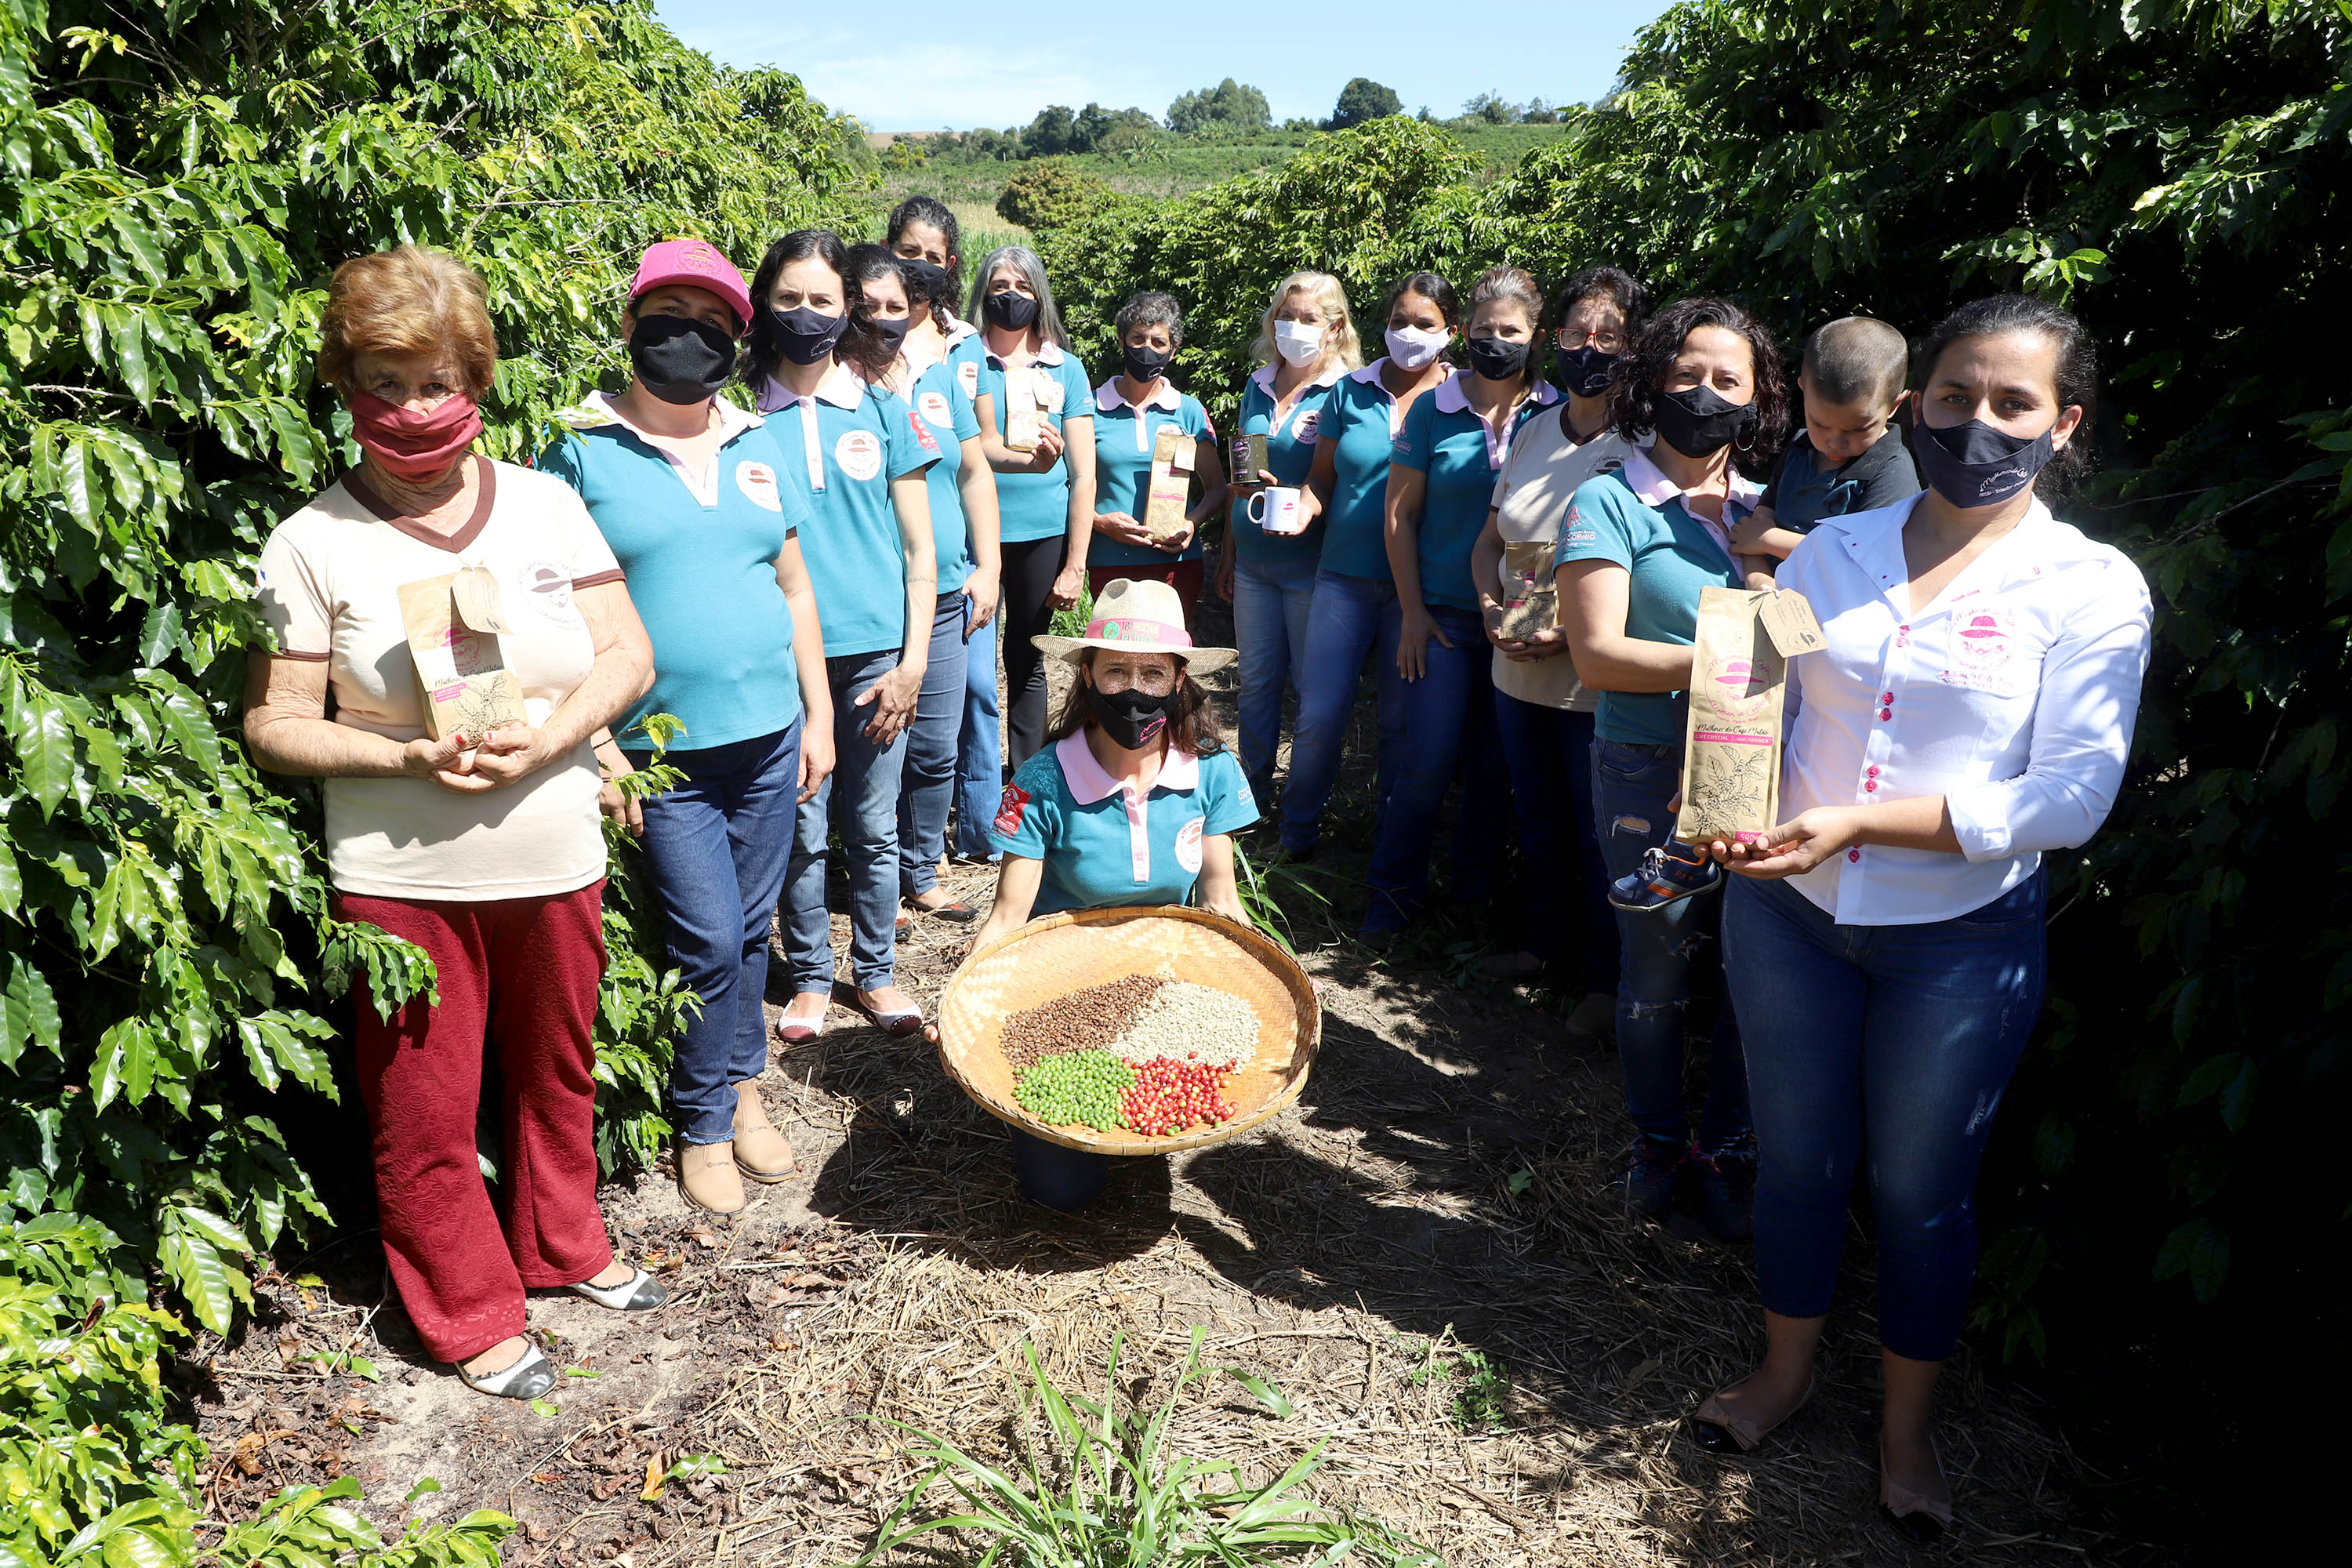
point(1857, 361)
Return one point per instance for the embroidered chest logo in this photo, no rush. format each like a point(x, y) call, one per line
point(968, 377)
point(1188, 843)
point(858, 453)
point(547, 588)
point(1010, 807)
point(758, 483)
point(1984, 641)
point(935, 409)
point(1308, 424)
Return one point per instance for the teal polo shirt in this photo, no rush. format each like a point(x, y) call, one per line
point(1031, 506)
point(1123, 439)
point(699, 554)
point(1445, 438)
point(940, 401)
point(841, 449)
point(1635, 516)
point(1289, 454)
point(1102, 847)
point(1359, 419)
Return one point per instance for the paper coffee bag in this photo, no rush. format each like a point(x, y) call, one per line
point(1530, 591)
point(1731, 745)
point(1170, 486)
point(1024, 413)
point(452, 623)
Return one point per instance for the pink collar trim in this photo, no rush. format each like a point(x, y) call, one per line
point(840, 387)
point(1651, 487)
point(1088, 781)
point(1048, 352)
point(1106, 397)
point(1327, 377)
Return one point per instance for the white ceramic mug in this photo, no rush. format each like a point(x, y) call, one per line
point(1275, 509)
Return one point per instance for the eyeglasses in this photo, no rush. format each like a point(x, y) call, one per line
point(1606, 342)
point(1152, 679)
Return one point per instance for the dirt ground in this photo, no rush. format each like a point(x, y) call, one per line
point(1422, 1255)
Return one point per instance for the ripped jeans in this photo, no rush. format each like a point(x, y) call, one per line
point(1881, 1051)
point(1662, 951)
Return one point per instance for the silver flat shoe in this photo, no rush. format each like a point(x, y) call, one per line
point(529, 1377)
point(640, 1293)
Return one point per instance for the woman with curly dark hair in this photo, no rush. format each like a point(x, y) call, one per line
point(1635, 548)
point(855, 453)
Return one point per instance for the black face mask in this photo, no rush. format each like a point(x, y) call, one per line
point(679, 360)
point(1701, 422)
point(1132, 719)
point(891, 330)
point(1584, 371)
point(925, 279)
point(1499, 359)
point(803, 335)
point(1144, 367)
point(1972, 465)
point(1009, 309)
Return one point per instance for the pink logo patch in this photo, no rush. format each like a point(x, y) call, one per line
point(1009, 809)
point(922, 433)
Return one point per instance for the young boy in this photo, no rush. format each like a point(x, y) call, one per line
point(1849, 457)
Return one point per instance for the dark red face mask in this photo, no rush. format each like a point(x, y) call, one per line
point(412, 446)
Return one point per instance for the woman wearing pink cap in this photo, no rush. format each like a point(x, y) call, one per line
point(483, 849)
point(690, 493)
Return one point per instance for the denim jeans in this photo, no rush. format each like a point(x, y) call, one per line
point(1348, 618)
point(929, 782)
point(1449, 728)
point(1271, 600)
point(980, 749)
point(861, 799)
point(1660, 953)
point(717, 844)
point(1882, 1050)
point(1548, 751)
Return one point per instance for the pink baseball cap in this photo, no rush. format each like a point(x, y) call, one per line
point(695, 262)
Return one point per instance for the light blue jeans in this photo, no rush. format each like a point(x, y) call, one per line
point(979, 750)
point(861, 800)
point(1271, 601)
point(1349, 618)
point(930, 778)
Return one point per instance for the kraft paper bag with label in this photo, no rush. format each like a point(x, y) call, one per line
point(462, 679)
point(1171, 486)
point(1731, 746)
point(1024, 415)
point(1530, 592)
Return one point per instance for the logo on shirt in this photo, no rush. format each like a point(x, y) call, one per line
point(858, 453)
point(1986, 654)
point(758, 482)
point(1308, 424)
point(547, 588)
point(1188, 843)
point(968, 377)
point(1009, 809)
point(922, 432)
point(935, 408)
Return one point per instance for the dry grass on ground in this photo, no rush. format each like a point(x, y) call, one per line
point(1437, 1202)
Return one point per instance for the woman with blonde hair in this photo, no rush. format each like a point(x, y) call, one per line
point(1306, 342)
point(482, 847)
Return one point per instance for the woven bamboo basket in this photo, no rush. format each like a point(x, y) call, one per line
point(1056, 954)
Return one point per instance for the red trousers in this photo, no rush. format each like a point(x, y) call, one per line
point(522, 973)
point(1184, 576)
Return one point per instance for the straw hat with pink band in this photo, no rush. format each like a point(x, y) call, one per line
point(696, 263)
point(1139, 615)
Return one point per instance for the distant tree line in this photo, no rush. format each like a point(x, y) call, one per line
point(1224, 112)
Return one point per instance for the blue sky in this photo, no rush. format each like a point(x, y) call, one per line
point(954, 67)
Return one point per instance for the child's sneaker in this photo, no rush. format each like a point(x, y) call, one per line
point(1665, 878)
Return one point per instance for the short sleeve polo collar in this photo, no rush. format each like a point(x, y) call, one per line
point(596, 412)
point(1107, 399)
point(840, 387)
point(1263, 379)
point(1049, 352)
point(1087, 783)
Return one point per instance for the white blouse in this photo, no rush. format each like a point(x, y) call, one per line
point(2012, 696)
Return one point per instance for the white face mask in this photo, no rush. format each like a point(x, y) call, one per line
point(1412, 348)
point(1301, 343)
